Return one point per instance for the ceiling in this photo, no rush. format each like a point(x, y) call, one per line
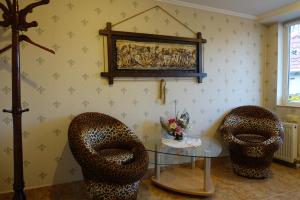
point(249, 7)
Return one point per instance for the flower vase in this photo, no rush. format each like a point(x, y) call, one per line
point(178, 137)
point(167, 135)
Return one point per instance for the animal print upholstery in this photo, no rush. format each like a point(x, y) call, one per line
point(112, 191)
point(112, 158)
point(253, 134)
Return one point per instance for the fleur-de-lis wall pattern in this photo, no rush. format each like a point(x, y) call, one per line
point(58, 87)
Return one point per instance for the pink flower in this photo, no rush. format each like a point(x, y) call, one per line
point(172, 120)
point(178, 131)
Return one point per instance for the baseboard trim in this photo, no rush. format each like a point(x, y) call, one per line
point(287, 164)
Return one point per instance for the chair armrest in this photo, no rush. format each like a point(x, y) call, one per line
point(253, 149)
point(125, 173)
point(231, 139)
point(273, 143)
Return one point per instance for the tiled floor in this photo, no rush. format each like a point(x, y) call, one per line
point(283, 185)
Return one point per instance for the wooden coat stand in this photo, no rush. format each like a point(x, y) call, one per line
point(16, 19)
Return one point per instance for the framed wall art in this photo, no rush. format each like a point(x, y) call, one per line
point(147, 55)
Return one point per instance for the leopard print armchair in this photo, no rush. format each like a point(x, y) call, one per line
point(112, 158)
point(253, 134)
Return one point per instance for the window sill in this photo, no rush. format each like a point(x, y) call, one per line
point(290, 105)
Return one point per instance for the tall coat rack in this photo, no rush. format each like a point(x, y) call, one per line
point(16, 19)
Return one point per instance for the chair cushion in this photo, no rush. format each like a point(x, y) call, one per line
point(251, 138)
point(117, 156)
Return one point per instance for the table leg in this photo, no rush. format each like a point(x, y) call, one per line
point(157, 164)
point(207, 177)
point(193, 161)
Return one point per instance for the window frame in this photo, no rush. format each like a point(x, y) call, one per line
point(286, 63)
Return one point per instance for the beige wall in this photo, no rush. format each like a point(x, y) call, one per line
point(57, 87)
point(270, 81)
point(274, 44)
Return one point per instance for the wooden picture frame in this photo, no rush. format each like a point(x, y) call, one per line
point(148, 55)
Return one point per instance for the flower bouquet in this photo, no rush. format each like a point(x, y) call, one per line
point(176, 126)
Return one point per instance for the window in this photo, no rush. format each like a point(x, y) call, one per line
point(291, 84)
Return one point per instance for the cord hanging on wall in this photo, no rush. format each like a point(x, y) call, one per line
point(16, 19)
point(162, 94)
point(147, 10)
point(148, 55)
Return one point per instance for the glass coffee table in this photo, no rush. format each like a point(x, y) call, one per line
point(181, 174)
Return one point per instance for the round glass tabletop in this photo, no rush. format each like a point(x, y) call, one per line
point(188, 147)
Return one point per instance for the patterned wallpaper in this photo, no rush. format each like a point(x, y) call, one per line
point(58, 87)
